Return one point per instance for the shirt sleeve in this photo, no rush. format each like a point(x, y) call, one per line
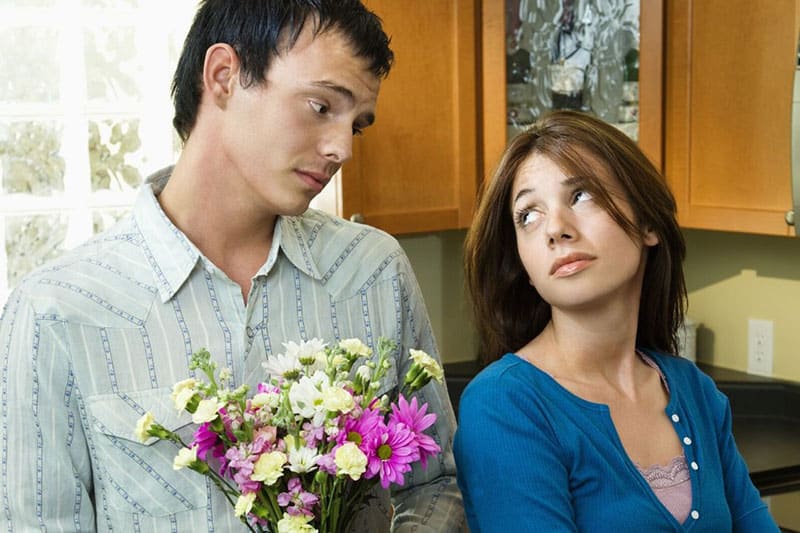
point(45, 468)
point(430, 501)
point(748, 512)
point(510, 465)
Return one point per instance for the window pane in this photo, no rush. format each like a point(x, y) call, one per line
point(27, 3)
point(102, 219)
point(110, 3)
point(32, 240)
point(112, 64)
point(115, 155)
point(29, 64)
point(30, 158)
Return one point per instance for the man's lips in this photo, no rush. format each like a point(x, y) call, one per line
point(570, 264)
point(316, 180)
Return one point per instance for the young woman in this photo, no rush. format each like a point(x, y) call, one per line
point(584, 421)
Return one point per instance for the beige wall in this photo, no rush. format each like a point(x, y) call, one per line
point(436, 258)
point(733, 277)
point(730, 277)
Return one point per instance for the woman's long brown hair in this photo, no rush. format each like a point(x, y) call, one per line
point(509, 312)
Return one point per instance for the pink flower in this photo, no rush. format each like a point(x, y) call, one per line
point(298, 501)
point(394, 451)
point(327, 462)
point(417, 421)
point(241, 463)
point(207, 441)
point(362, 430)
point(313, 434)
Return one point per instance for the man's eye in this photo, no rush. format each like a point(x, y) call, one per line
point(318, 107)
point(357, 131)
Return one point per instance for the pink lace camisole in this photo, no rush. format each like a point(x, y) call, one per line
point(671, 483)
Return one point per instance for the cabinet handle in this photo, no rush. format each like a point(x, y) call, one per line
point(357, 217)
point(790, 217)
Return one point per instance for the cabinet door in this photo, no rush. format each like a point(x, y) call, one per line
point(415, 169)
point(590, 17)
point(729, 73)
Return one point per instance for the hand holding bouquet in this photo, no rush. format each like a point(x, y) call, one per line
point(304, 452)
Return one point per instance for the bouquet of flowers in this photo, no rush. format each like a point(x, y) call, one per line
point(303, 452)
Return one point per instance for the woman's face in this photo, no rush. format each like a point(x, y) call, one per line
point(575, 254)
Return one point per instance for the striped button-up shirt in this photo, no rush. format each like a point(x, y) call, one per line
point(93, 340)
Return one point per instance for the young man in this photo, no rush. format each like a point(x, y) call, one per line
point(219, 253)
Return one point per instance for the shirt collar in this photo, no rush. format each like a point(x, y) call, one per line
point(295, 242)
point(173, 256)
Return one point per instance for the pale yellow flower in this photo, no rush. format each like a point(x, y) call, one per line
point(337, 400)
point(185, 457)
point(295, 524)
point(355, 347)
point(350, 460)
point(182, 392)
point(428, 364)
point(268, 468)
point(143, 425)
point(244, 504)
point(206, 410)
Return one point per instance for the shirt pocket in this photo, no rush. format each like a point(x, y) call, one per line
point(136, 477)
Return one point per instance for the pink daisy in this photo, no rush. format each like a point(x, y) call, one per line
point(417, 421)
point(393, 452)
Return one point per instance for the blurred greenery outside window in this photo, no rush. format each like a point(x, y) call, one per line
point(85, 116)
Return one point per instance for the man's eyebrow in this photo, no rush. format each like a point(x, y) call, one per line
point(344, 91)
point(368, 119)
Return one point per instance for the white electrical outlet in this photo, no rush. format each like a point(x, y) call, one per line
point(759, 347)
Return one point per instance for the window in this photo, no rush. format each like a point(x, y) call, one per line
point(85, 116)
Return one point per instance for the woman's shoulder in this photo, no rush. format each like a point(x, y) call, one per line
point(508, 384)
point(683, 375)
point(503, 371)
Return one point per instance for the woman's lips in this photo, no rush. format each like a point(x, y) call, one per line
point(570, 264)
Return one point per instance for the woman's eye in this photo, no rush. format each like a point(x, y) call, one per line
point(318, 107)
point(581, 196)
point(526, 217)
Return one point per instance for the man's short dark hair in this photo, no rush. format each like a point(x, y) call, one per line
point(258, 30)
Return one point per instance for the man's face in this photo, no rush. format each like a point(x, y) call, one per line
point(286, 137)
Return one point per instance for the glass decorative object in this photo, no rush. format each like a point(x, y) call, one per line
point(581, 55)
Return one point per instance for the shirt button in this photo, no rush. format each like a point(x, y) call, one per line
point(249, 331)
point(676, 418)
point(695, 515)
point(687, 441)
point(694, 466)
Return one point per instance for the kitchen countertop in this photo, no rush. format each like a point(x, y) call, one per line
point(766, 426)
point(766, 421)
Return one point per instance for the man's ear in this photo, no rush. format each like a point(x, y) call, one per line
point(220, 73)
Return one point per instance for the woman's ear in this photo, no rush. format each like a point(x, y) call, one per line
point(649, 237)
point(220, 73)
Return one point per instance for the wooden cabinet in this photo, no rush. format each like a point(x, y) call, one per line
point(416, 168)
point(728, 99)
